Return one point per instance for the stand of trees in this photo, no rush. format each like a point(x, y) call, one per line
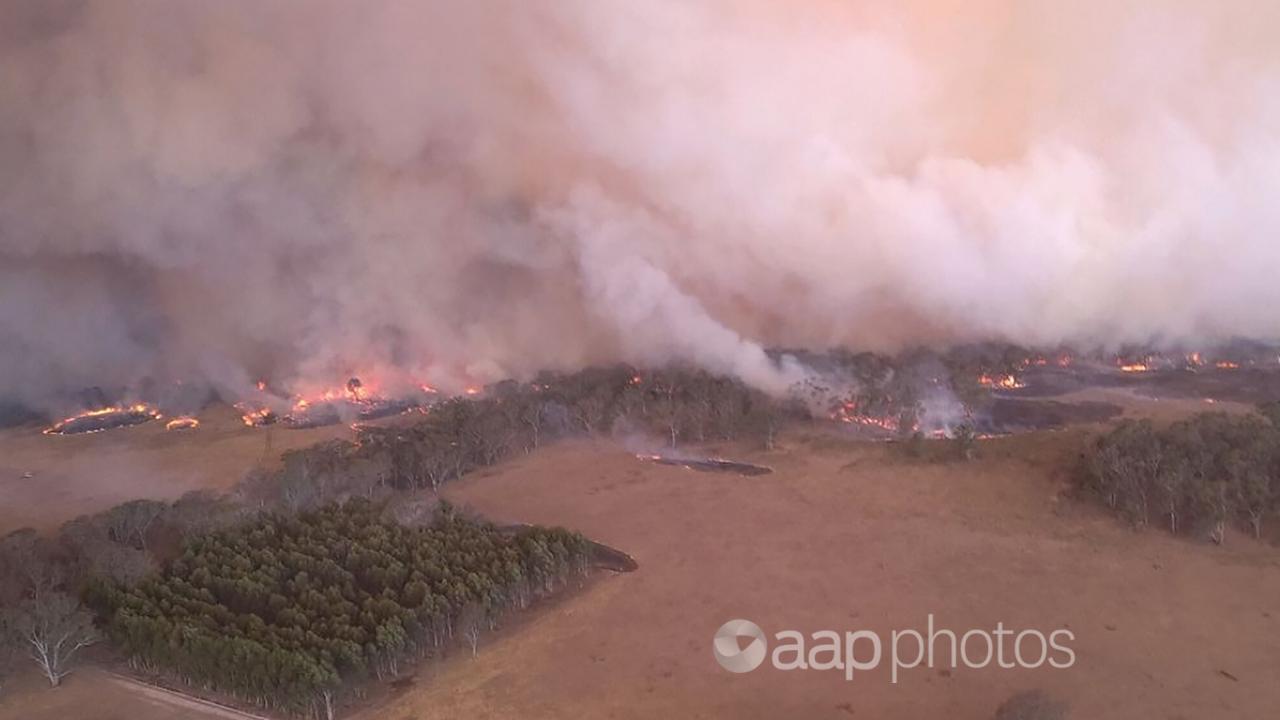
point(282, 611)
point(459, 435)
point(1199, 476)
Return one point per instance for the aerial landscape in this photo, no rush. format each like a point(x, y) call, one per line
point(591, 359)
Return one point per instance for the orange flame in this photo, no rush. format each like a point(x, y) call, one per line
point(138, 408)
point(182, 422)
point(1003, 382)
point(255, 416)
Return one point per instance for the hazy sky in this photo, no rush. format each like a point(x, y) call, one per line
point(223, 191)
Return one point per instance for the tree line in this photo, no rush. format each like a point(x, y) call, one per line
point(459, 435)
point(1199, 476)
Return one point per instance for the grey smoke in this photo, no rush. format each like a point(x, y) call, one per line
point(218, 192)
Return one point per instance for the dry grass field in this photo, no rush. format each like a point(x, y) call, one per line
point(76, 474)
point(852, 537)
point(843, 535)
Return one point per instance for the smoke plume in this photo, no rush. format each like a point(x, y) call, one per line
point(218, 192)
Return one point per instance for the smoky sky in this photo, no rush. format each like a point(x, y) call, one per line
point(219, 192)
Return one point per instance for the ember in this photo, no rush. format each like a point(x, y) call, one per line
point(104, 419)
point(1226, 365)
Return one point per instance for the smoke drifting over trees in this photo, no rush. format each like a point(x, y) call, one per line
point(220, 192)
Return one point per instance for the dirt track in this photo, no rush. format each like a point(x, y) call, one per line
point(94, 694)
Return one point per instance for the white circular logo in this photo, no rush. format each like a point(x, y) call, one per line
point(729, 652)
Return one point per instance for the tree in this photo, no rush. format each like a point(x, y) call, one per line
point(53, 627)
point(27, 566)
point(128, 523)
point(964, 440)
point(1271, 411)
point(99, 555)
point(915, 446)
point(1253, 492)
point(6, 650)
point(531, 412)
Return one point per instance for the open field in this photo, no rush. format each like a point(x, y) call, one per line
point(843, 535)
point(849, 537)
point(76, 474)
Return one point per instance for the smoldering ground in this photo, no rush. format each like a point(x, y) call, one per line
point(222, 192)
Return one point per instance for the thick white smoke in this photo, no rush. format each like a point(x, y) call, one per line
point(224, 191)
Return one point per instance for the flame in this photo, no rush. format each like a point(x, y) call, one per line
point(357, 394)
point(1194, 359)
point(262, 385)
point(1003, 382)
point(255, 416)
point(883, 423)
point(1226, 365)
point(182, 422)
point(137, 408)
point(636, 379)
point(473, 391)
point(848, 413)
point(1140, 367)
point(354, 391)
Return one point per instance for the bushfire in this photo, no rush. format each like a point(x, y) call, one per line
point(355, 399)
point(183, 422)
point(104, 419)
point(847, 412)
point(1001, 382)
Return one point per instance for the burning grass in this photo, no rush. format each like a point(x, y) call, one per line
point(353, 402)
point(182, 422)
point(107, 418)
point(1001, 382)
